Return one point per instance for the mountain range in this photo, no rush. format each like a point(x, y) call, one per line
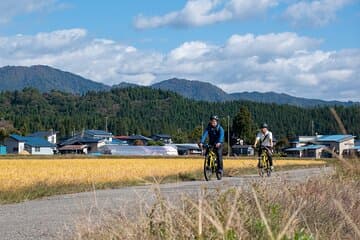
point(45, 79)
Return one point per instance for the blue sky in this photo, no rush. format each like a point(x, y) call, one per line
point(300, 47)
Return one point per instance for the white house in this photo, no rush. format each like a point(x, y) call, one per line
point(17, 144)
point(320, 145)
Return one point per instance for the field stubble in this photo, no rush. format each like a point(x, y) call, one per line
point(25, 179)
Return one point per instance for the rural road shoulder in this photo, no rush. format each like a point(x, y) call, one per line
point(56, 217)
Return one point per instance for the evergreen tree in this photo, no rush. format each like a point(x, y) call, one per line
point(243, 125)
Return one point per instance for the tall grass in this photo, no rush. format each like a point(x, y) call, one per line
point(322, 208)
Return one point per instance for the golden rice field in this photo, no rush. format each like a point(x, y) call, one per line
point(22, 174)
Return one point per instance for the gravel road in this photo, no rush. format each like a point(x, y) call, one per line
point(56, 217)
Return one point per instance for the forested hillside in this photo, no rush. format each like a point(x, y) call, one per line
point(146, 111)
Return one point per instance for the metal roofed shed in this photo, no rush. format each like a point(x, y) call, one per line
point(92, 143)
point(334, 138)
point(74, 149)
point(310, 151)
point(306, 146)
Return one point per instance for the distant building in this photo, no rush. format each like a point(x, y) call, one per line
point(92, 145)
point(162, 138)
point(17, 144)
point(87, 141)
point(320, 146)
point(245, 150)
point(311, 151)
point(74, 149)
point(50, 136)
point(98, 134)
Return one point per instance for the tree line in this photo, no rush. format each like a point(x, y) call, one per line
point(149, 111)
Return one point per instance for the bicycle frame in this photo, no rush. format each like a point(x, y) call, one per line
point(212, 157)
point(264, 163)
point(210, 163)
point(264, 158)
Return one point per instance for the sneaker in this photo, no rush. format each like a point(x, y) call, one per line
point(272, 168)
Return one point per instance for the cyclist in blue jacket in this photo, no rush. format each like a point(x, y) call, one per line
point(216, 138)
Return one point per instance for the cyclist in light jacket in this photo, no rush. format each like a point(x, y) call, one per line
point(265, 138)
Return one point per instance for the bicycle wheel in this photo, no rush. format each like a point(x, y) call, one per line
point(207, 169)
point(261, 172)
point(262, 166)
point(216, 170)
point(268, 169)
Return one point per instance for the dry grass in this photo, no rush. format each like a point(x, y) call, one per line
point(325, 208)
point(29, 179)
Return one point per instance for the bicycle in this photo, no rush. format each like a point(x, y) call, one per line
point(211, 163)
point(264, 164)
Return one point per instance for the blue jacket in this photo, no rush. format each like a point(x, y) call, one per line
point(216, 135)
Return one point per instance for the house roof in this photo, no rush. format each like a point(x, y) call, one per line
point(98, 132)
point(38, 142)
point(18, 137)
point(42, 134)
point(32, 141)
point(139, 137)
point(161, 135)
point(81, 140)
point(308, 147)
point(122, 137)
point(334, 138)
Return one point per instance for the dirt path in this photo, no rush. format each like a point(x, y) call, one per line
point(56, 217)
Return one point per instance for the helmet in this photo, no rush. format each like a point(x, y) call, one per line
point(214, 117)
point(264, 125)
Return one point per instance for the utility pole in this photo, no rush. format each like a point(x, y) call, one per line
point(312, 127)
point(228, 118)
point(106, 124)
point(202, 127)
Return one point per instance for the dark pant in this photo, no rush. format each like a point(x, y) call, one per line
point(219, 156)
point(268, 154)
point(219, 152)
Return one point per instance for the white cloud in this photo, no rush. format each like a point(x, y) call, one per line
point(283, 62)
point(314, 13)
point(282, 44)
point(11, 8)
point(190, 50)
point(205, 12)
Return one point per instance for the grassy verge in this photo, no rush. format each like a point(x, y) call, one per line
point(38, 188)
point(326, 208)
